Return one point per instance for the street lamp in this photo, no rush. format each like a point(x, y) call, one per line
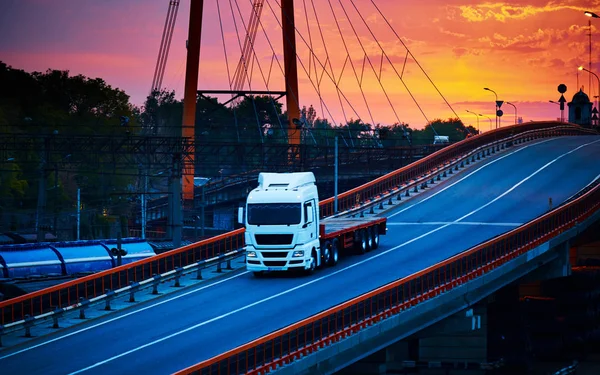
point(201, 181)
point(488, 89)
point(561, 111)
point(591, 15)
point(488, 117)
point(476, 115)
point(582, 68)
point(509, 103)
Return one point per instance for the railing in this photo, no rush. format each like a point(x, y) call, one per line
point(88, 287)
point(396, 179)
point(92, 286)
point(285, 345)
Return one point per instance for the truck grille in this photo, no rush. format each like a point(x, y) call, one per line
point(274, 254)
point(274, 239)
point(274, 263)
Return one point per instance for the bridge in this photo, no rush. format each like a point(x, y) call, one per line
point(460, 229)
point(505, 208)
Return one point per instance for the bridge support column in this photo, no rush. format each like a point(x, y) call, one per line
point(459, 341)
point(456, 343)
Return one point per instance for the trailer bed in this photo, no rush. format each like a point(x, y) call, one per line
point(334, 227)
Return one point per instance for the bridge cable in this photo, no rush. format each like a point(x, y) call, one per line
point(374, 72)
point(237, 130)
point(301, 64)
point(253, 52)
point(419, 65)
point(388, 59)
point(353, 68)
point(165, 45)
point(248, 42)
point(317, 59)
point(324, 47)
point(246, 67)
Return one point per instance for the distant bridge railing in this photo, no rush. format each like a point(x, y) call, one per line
point(329, 327)
point(92, 286)
point(395, 180)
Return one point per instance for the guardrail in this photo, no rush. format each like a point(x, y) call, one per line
point(330, 326)
point(395, 180)
point(89, 287)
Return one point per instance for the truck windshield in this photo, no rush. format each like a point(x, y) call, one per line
point(274, 214)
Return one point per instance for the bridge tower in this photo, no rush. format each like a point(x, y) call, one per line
point(191, 92)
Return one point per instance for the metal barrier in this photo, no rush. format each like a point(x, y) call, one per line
point(307, 336)
point(403, 176)
point(70, 293)
point(92, 286)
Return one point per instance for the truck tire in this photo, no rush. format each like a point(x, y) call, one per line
point(361, 241)
point(335, 252)
point(375, 235)
point(369, 238)
point(313, 263)
point(326, 253)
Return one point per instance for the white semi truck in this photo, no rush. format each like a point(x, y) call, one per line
point(284, 232)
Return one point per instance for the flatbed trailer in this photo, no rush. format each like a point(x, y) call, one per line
point(361, 234)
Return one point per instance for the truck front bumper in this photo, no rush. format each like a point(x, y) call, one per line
point(259, 263)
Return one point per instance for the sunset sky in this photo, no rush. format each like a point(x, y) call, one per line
point(521, 50)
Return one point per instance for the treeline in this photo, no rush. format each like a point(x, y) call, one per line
point(55, 102)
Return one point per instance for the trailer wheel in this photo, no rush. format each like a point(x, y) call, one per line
point(369, 238)
point(375, 235)
point(326, 253)
point(335, 252)
point(361, 241)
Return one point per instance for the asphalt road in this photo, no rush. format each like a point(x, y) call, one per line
point(179, 330)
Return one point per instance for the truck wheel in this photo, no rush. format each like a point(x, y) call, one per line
point(375, 235)
point(335, 252)
point(326, 253)
point(369, 238)
point(313, 263)
point(361, 242)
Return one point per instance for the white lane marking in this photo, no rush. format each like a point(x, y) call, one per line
point(453, 223)
point(322, 277)
point(122, 316)
point(467, 176)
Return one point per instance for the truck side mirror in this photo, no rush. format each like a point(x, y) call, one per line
point(241, 215)
point(309, 216)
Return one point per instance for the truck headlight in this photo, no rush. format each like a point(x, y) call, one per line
point(298, 254)
point(251, 254)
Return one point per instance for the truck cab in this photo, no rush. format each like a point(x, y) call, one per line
point(281, 217)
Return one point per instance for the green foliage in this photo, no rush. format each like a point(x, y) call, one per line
point(49, 103)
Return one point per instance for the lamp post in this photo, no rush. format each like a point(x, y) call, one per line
point(591, 15)
point(515, 107)
point(488, 117)
point(476, 115)
point(496, 111)
point(558, 104)
point(582, 68)
point(200, 182)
